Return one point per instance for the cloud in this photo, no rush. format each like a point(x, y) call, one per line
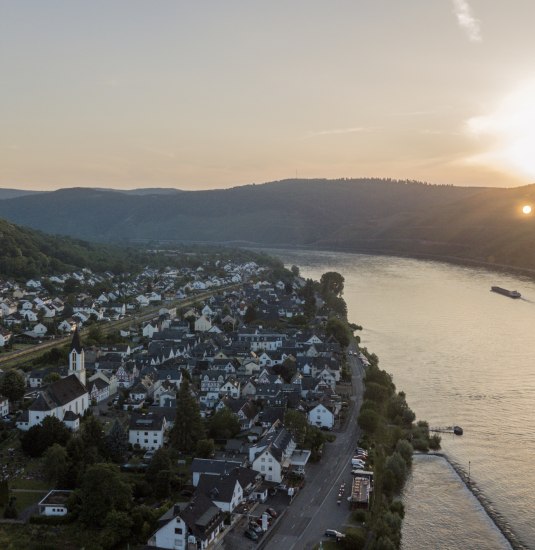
point(339, 131)
point(466, 20)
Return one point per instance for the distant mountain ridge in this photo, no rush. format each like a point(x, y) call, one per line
point(360, 215)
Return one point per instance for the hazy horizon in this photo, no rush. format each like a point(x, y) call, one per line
point(129, 94)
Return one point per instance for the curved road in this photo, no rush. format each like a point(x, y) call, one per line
point(315, 508)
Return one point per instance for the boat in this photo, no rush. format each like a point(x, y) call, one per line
point(505, 292)
point(457, 430)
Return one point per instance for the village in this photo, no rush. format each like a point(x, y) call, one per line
point(260, 360)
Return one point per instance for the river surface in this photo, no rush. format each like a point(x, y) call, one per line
point(464, 356)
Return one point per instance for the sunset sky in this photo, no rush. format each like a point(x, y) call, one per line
point(207, 94)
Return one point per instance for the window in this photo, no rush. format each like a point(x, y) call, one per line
point(178, 530)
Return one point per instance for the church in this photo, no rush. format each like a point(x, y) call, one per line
point(66, 399)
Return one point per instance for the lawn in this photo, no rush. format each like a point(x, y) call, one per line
point(24, 500)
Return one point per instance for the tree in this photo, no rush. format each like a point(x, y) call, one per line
point(162, 484)
point(42, 436)
point(250, 314)
point(103, 490)
point(224, 424)
point(295, 270)
point(92, 434)
point(338, 330)
point(13, 385)
point(117, 528)
point(160, 461)
point(404, 448)
point(10, 511)
point(55, 464)
point(296, 423)
point(368, 420)
point(51, 377)
point(116, 442)
point(188, 427)
point(205, 448)
point(332, 283)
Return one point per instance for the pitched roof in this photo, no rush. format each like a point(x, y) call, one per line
point(59, 393)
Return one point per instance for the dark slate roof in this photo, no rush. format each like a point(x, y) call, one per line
point(58, 394)
point(150, 421)
point(217, 488)
point(75, 344)
point(207, 466)
point(202, 516)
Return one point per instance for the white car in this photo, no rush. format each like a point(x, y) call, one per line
point(357, 462)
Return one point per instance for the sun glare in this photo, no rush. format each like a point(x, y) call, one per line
point(526, 209)
point(512, 129)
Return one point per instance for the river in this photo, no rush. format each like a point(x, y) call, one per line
point(464, 356)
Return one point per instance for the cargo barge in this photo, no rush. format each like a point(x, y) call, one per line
point(505, 292)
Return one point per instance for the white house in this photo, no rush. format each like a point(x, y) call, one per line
point(147, 430)
point(225, 492)
point(4, 406)
point(194, 525)
point(203, 324)
point(272, 454)
point(321, 416)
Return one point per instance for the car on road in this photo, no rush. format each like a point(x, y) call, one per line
point(333, 533)
point(357, 462)
point(250, 534)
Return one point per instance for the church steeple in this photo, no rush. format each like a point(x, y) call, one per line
point(77, 357)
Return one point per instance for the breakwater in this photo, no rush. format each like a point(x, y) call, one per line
point(498, 519)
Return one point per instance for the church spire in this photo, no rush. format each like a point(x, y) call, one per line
point(77, 357)
point(75, 344)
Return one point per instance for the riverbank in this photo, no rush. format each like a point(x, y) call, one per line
point(499, 521)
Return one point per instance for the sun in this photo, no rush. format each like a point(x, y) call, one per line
point(526, 209)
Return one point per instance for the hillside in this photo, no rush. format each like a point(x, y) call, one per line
point(369, 215)
point(26, 253)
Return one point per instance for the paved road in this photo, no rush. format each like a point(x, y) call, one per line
point(315, 508)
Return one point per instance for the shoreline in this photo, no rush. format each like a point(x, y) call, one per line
point(499, 521)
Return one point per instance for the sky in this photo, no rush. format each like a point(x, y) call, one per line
point(212, 94)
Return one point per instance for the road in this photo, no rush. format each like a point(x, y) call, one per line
point(315, 508)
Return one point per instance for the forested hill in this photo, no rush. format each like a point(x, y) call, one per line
point(26, 253)
point(366, 215)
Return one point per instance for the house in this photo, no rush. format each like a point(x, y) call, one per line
point(194, 525)
point(224, 491)
point(147, 430)
point(5, 336)
point(4, 406)
point(271, 456)
point(202, 324)
point(55, 503)
point(98, 389)
point(207, 466)
point(321, 416)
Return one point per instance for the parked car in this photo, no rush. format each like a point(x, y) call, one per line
point(250, 534)
point(272, 512)
point(148, 455)
point(255, 527)
point(357, 462)
point(333, 533)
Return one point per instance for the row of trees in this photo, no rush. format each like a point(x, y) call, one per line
point(388, 424)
